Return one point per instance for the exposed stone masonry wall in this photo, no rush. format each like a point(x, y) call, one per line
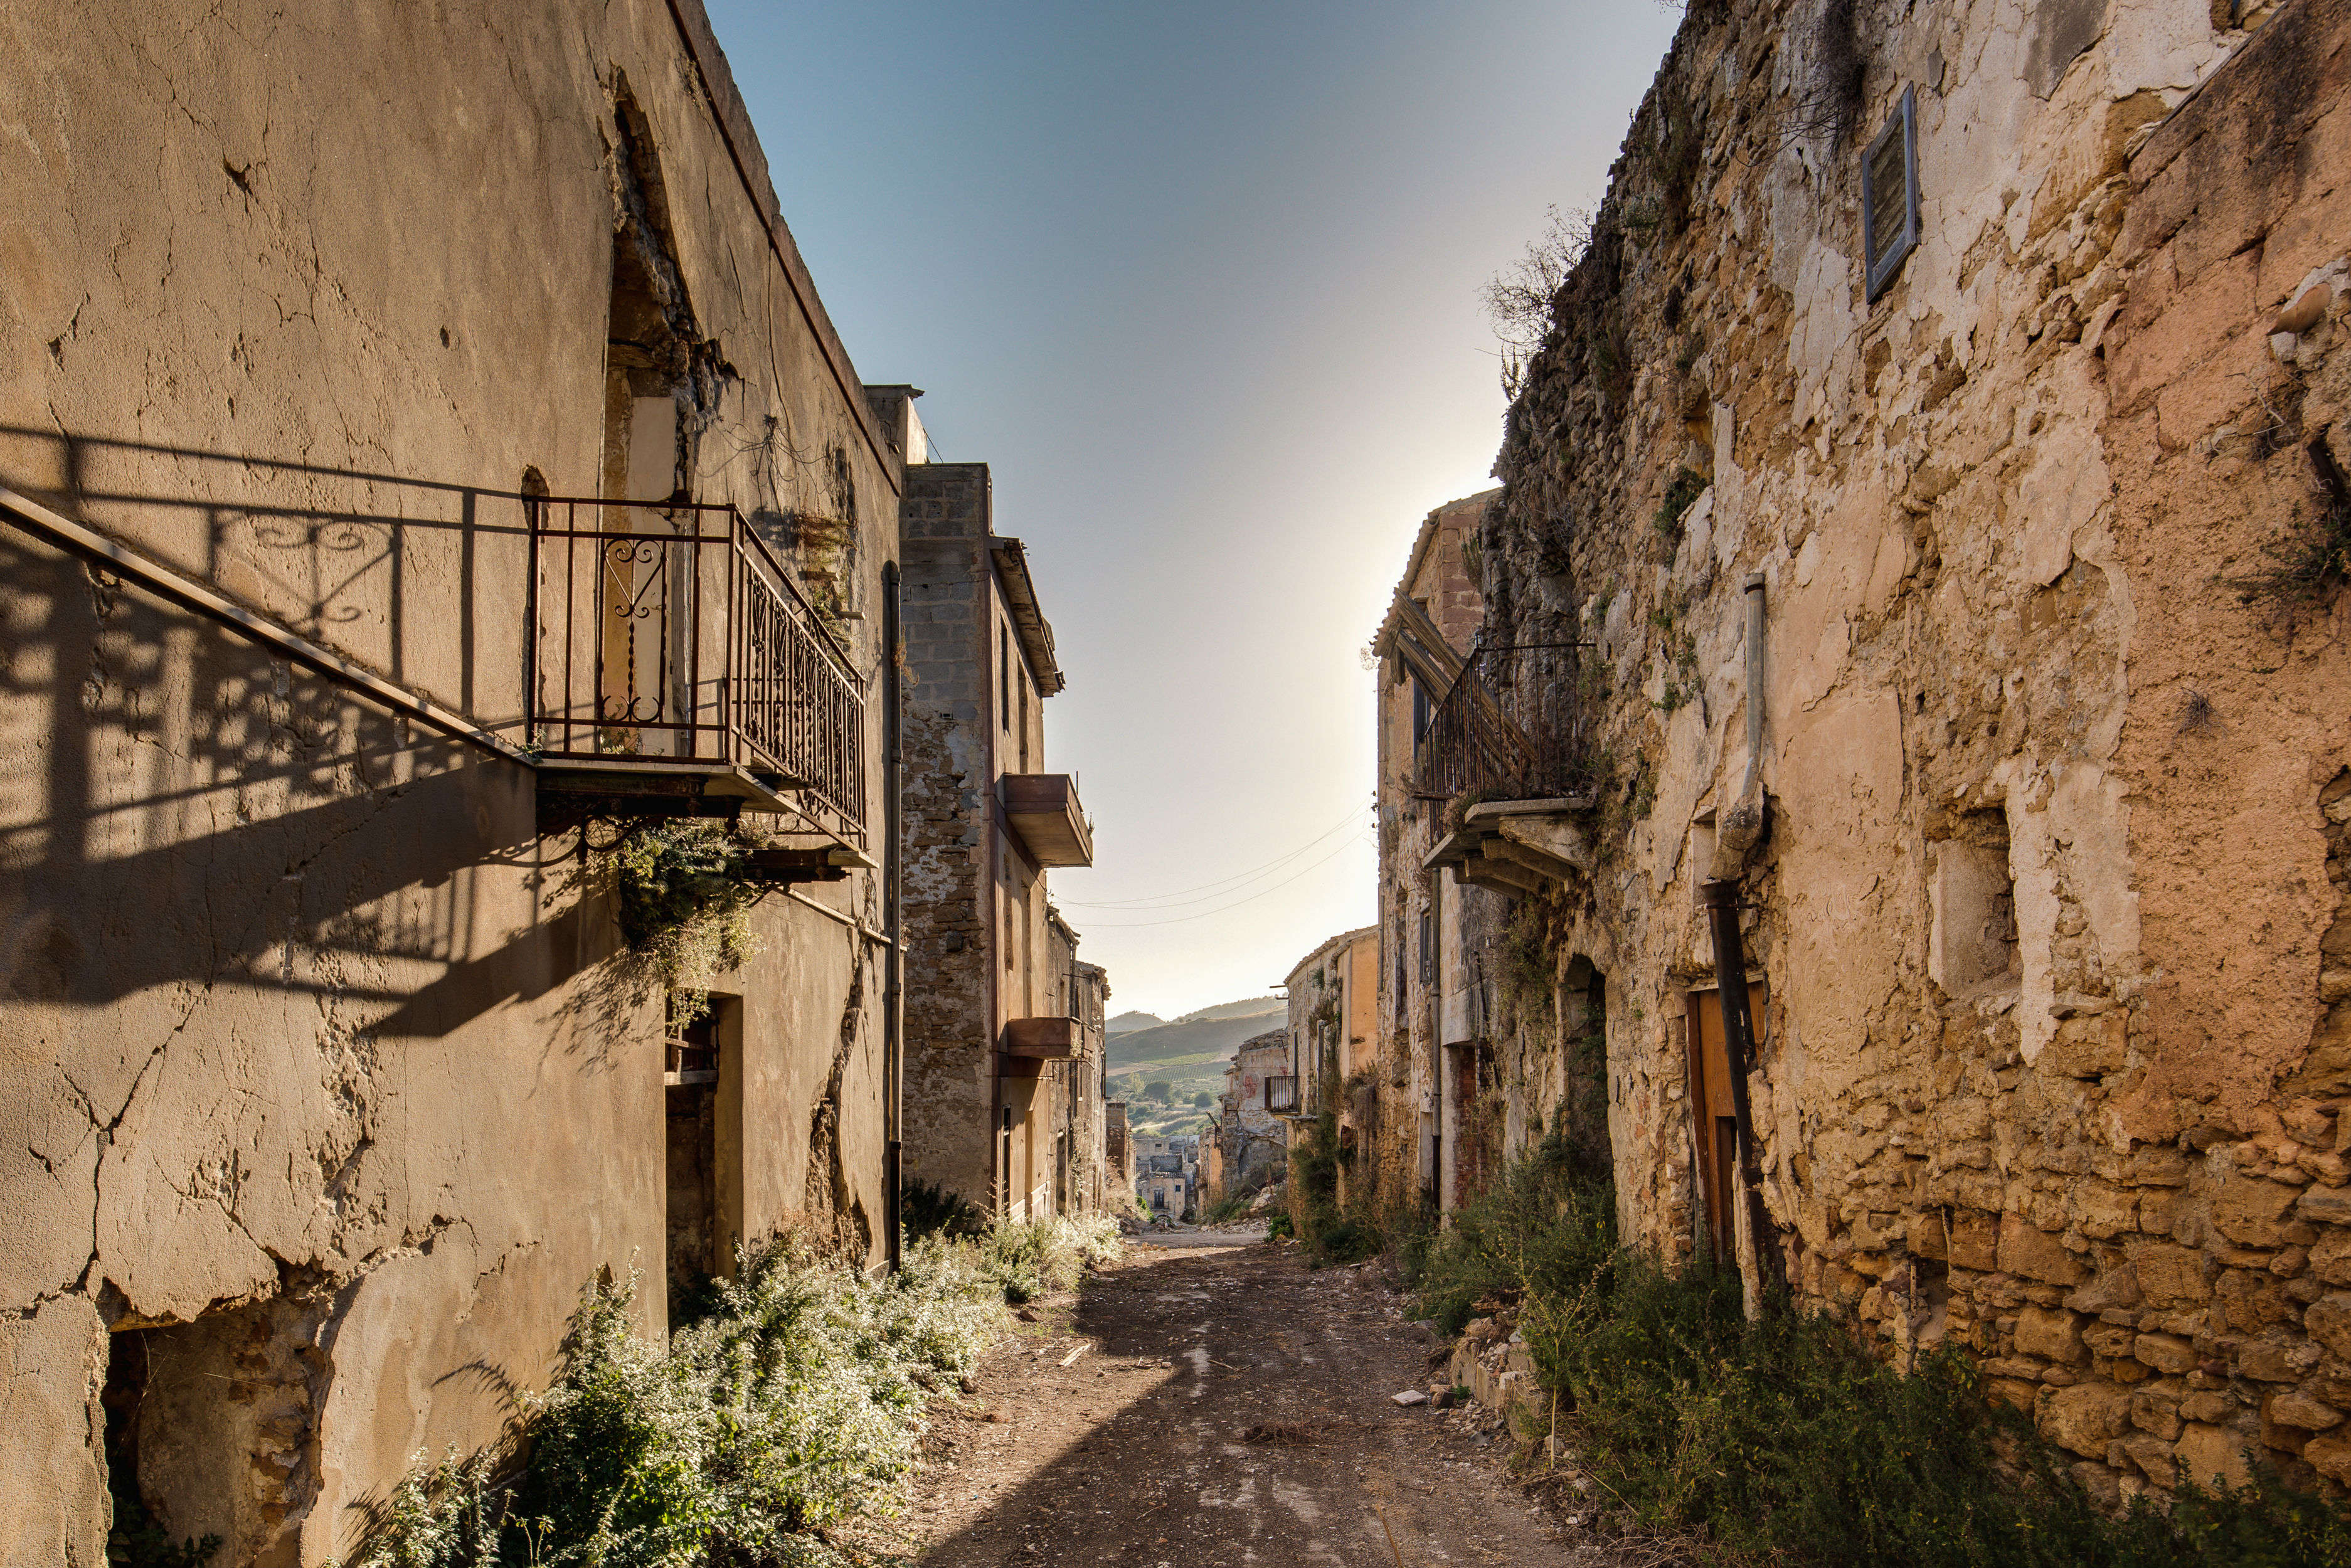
point(949, 1054)
point(2051, 908)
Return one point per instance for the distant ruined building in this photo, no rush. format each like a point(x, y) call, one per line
point(1916, 601)
point(451, 574)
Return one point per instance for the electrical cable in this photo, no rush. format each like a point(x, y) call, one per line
point(1260, 893)
point(1223, 884)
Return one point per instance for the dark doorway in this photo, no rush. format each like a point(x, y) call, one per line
point(700, 1240)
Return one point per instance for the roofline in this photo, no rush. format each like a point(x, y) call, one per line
point(1345, 938)
point(1420, 543)
point(750, 160)
point(1011, 559)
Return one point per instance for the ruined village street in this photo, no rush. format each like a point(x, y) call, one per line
point(1225, 1406)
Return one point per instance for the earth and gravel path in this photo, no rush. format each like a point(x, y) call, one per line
point(1209, 1401)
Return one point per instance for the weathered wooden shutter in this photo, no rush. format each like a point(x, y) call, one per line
point(1889, 194)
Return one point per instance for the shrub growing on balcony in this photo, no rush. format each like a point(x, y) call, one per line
point(684, 907)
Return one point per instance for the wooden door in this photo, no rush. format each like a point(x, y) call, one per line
point(1714, 1120)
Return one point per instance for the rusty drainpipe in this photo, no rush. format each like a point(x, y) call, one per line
point(893, 959)
point(1740, 826)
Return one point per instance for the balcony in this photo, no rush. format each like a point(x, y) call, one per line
point(1041, 809)
point(675, 670)
point(1512, 727)
point(1509, 740)
point(1044, 1039)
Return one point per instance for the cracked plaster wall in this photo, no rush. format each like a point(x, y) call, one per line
point(1993, 510)
point(292, 990)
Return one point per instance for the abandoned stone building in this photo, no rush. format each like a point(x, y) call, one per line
point(445, 511)
point(1170, 1172)
point(1003, 1040)
point(1333, 1027)
point(1118, 1153)
point(1248, 1142)
point(1916, 601)
point(1433, 1030)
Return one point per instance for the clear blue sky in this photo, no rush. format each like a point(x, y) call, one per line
point(1200, 283)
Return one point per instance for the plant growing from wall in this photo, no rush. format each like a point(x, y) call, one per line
point(684, 907)
point(1530, 967)
point(1517, 299)
point(1677, 144)
point(1682, 491)
point(1784, 1440)
point(2314, 560)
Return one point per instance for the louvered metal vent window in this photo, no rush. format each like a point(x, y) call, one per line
point(1889, 194)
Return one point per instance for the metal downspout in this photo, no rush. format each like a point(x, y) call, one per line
point(893, 959)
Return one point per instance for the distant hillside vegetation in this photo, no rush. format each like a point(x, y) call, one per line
point(1212, 1032)
point(1189, 1055)
point(1126, 1023)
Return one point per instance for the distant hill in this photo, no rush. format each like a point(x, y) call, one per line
point(1192, 1036)
point(1249, 1008)
point(1190, 1055)
point(1127, 1023)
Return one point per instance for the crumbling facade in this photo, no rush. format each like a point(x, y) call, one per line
point(375, 481)
point(1333, 1028)
point(1425, 918)
point(1248, 1141)
point(1939, 453)
point(1004, 1045)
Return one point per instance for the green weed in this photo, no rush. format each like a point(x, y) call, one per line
point(795, 1404)
point(1785, 1440)
point(1035, 1259)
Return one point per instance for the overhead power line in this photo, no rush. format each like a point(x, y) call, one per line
point(1219, 888)
point(1236, 904)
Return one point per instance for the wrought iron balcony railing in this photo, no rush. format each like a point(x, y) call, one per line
point(668, 633)
point(1512, 727)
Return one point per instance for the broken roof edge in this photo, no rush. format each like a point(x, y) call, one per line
point(1345, 939)
point(1421, 541)
point(1011, 559)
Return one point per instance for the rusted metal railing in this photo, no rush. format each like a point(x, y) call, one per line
point(667, 632)
point(1512, 727)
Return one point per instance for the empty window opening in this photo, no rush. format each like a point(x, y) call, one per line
point(700, 1089)
point(1889, 194)
point(1427, 948)
point(1971, 941)
point(1003, 677)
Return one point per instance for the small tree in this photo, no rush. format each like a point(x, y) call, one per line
point(1203, 1099)
point(1158, 1088)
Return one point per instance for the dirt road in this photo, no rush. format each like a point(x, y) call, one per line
point(1205, 1405)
